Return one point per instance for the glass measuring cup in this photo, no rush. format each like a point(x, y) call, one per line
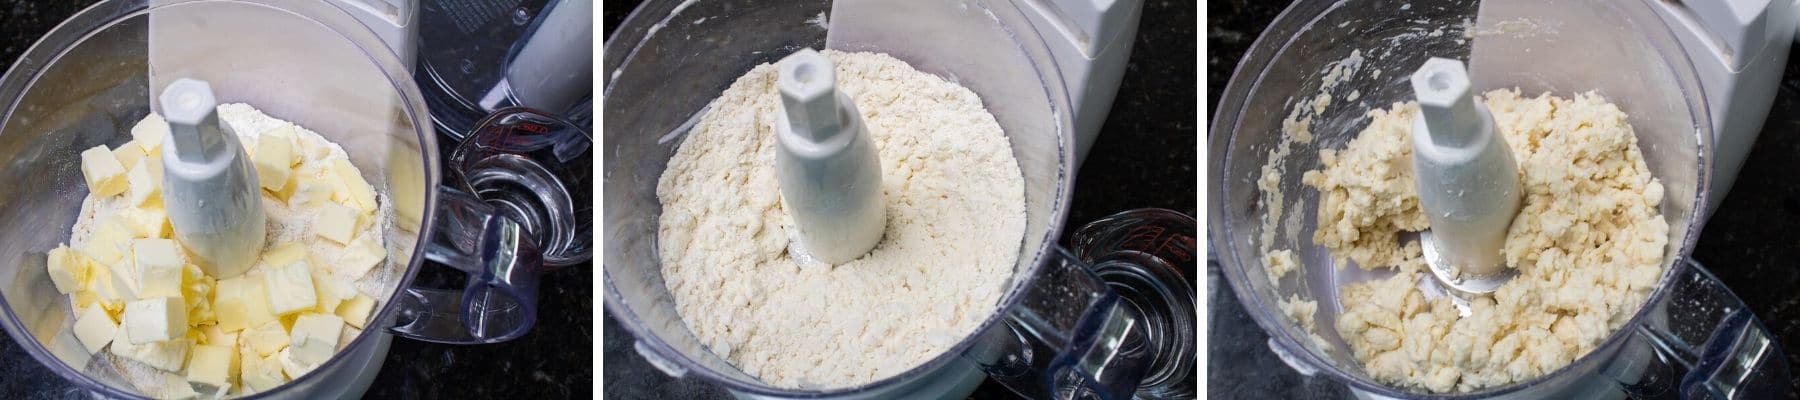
point(1692, 337)
point(1067, 324)
point(90, 79)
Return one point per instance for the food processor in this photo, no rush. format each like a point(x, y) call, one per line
point(496, 207)
point(1111, 316)
point(1692, 338)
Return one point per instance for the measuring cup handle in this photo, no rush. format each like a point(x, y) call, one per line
point(1704, 331)
point(1073, 335)
point(502, 261)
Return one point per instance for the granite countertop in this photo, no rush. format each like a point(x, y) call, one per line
point(1749, 242)
point(554, 360)
point(1143, 158)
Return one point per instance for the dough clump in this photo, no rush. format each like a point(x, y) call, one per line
point(1588, 242)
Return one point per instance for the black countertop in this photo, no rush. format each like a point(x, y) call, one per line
point(1750, 242)
point(1144, 158)
point(554, 360)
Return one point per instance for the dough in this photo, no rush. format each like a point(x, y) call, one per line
point(1588, 243)
point(955, 200)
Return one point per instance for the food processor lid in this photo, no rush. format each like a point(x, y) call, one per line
point(475, 58)
point(1236, 153)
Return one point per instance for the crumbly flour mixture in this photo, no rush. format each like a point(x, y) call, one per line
point(1588, 243)
point(956, 217)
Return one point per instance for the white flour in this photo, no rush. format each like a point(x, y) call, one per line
point(286, 225)
point(956, 217)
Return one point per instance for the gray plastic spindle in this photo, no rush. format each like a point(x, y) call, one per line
point(210, 188)
point(826, 164)
point(1467, 179)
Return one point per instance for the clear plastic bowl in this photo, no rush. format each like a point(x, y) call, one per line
point(1620, 49)
point(90, 79)
point(670, 58)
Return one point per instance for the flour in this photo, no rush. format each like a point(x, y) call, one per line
point(286, 225)
point(956, 218)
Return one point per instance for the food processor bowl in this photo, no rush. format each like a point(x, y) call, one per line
point(670, 59)
point(1362, 53)
point(94, 76)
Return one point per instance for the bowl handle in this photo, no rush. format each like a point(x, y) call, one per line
point(1113, 319)
point(515, 204)
point(1702, 330)
point(502, 261)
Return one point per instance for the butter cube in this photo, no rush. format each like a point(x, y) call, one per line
point(159, 268)
point(273, 159)
point(356, 310)
point(156, 319)
point(285, 134)
point(360, 256)
point(83, 298)
point(256, 302)
point(228, 305)
point(260, 373)
point(167, 355)
point(129, 154)
point(351, 188)
point(241, 303)
point(219, 337)
point(283, 254)
point(105, 176)
point(67, 269)
point(149, 134)
point(293, 368)
point(211, 365)
point(290, 288)
point(287, 188)
point(124, 279)
point(144, 187)
point(329, 292)
point(100, 282)
point(266, 339)
point(95, 328)
point(175, 387)
point(347, 336)
point(312, 147)
point(150, 222)
point(315, 337)
point(107, 243)
point(198, 289)
point(335, 222)
point(309, 189)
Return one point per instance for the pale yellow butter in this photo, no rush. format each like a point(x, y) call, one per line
point(335, 222)
point(360, 256)
point(105, 176)
point(165, 355)
point(356, 310)
point(159, 268)
point(266, 339)
point(143, 187)
point(273, 158)
point(290, 288)
point(95, 328)
point(314, 337)
point(212, 365)
point(260, 372)
point(156, 319)
point(67, 269)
